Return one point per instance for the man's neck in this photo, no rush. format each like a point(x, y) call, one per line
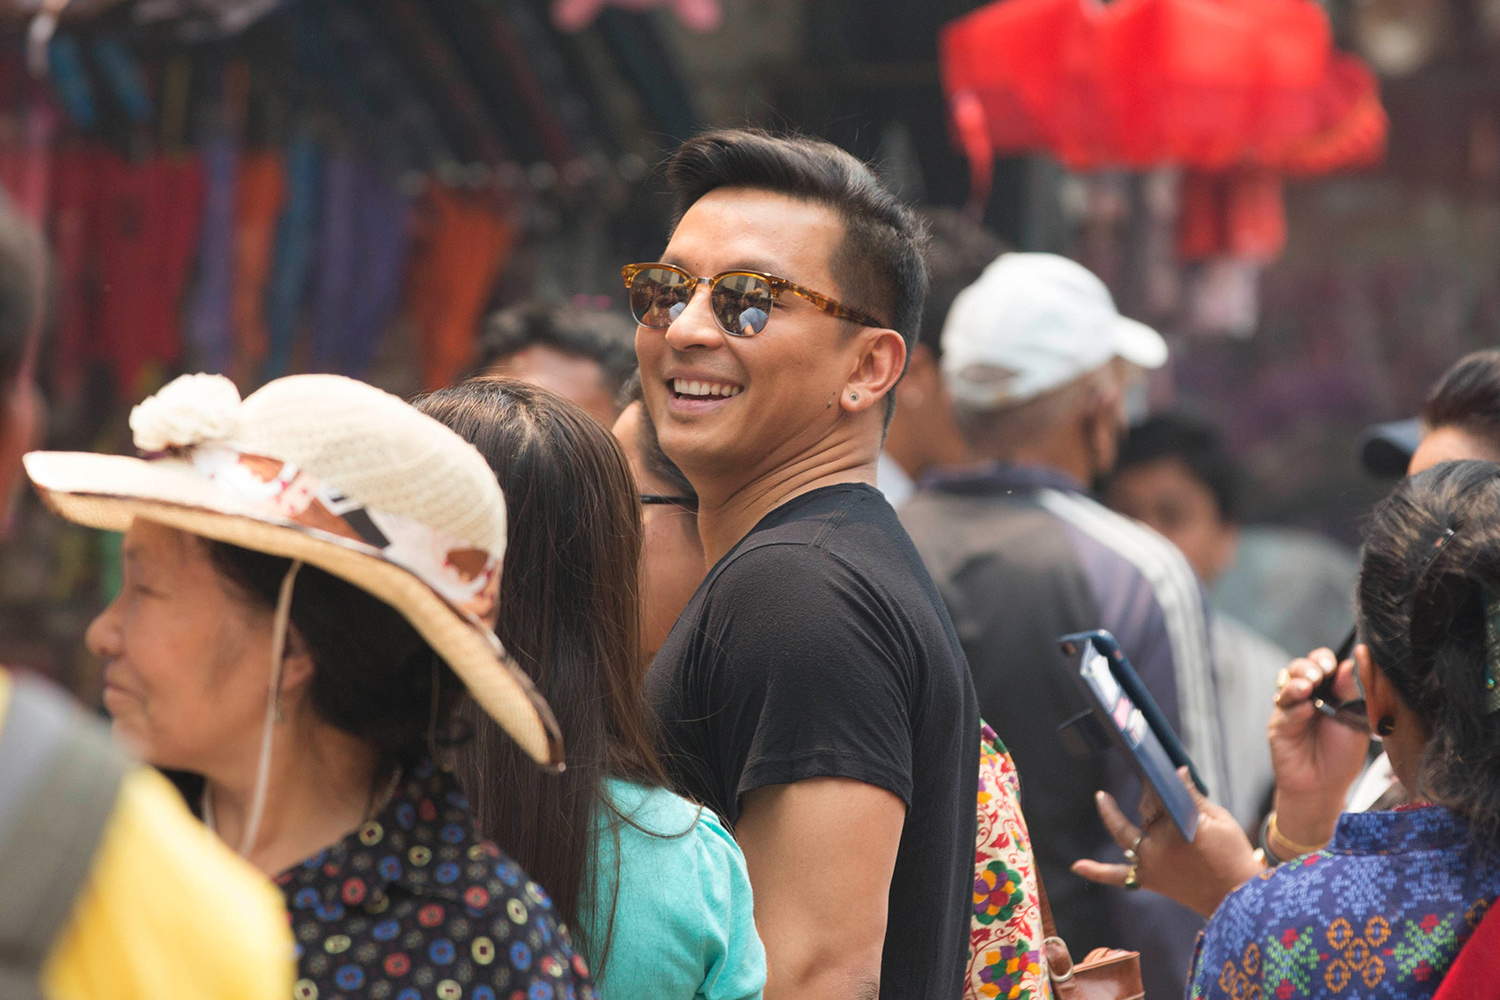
point(1071, 462)
point(727, 513)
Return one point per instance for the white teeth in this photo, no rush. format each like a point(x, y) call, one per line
point(684, 387)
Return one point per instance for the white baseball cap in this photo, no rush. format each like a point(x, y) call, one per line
point(1035, 322)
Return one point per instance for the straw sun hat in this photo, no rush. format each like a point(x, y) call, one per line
point(336, 474)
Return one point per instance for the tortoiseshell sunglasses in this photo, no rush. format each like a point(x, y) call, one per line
point(740, 300)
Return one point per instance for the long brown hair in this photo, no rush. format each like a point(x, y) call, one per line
point(570, 615)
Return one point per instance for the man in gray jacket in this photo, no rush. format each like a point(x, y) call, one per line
point(1039, 362)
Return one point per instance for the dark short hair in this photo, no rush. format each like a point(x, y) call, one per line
point(1423, 596)
point(1194, 442)
point(1467, 398)
point(879, 265)
point(958, 251)
point(23, 259)
point(604, 337)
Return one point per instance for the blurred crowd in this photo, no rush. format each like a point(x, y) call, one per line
point(717, 650)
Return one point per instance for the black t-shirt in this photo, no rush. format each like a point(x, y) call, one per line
point(819, 647)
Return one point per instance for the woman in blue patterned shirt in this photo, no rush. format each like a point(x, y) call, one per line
point(1385, 907)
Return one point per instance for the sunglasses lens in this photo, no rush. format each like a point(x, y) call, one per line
point(657, 296)
point(742, 304)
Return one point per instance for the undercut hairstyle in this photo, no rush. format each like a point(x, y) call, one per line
point(23, 262)
point(1194, 442)
point(1467, 398)
point(604, 337)
point(569, 613)
point(1423, 597)
point(880, 264)
point(958, 251)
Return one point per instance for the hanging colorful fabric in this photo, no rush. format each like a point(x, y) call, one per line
point(149, 221)
point(261, 194)
point(210, 324)
point(465, 240)
point(293, 258)
point(1143, 83)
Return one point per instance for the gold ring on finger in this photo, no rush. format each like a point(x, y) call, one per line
point(1133, 878)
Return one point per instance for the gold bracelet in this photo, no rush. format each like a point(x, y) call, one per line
point(1279, 840)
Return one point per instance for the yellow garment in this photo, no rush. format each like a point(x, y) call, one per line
point(168, 910)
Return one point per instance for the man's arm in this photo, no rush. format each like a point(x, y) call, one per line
point(820, 854)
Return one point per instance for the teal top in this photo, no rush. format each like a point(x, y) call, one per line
point(684, 924)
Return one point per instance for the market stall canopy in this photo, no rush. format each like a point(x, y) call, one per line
point(1214, 84)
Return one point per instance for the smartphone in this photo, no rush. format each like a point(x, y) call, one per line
point(1349, 713)
point(1124, 711)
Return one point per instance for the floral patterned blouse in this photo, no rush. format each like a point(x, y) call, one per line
point(1381, 912)
point(415, 905)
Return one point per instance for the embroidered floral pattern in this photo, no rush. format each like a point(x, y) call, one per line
point(1005, 959)
point(1311, 930)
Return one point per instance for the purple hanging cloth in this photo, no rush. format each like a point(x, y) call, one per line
point(210, 331)
point(384, 237)
point(365, 234)
point(336, 261)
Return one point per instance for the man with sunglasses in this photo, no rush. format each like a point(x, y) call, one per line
point(813, 691)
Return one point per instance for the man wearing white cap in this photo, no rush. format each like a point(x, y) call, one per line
point(1038, 362)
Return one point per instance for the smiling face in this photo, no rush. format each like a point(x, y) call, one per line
point(735, 408)
point(187, 660)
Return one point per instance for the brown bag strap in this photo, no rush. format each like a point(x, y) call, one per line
point(1049, 928)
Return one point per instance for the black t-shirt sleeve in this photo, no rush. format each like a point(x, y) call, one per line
point(812, 674)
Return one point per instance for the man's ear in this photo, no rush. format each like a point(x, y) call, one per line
point(879, 360)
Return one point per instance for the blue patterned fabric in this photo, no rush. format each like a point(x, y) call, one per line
point(1381, 912)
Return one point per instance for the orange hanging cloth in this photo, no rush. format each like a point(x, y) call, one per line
point(462, 242)
point(262, 192)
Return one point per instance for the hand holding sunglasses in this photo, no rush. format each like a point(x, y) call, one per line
point(741, 301)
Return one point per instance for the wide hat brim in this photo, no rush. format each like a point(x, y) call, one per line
point(110, 491)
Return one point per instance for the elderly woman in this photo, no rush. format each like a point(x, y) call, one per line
point(656, 891)
point(295, 633)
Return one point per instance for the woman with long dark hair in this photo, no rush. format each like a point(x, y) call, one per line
point(1387, 904)
point(653, 886)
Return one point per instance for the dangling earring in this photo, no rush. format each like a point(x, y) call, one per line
point(1386, 726)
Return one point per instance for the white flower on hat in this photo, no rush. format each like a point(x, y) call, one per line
point(188, 410)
